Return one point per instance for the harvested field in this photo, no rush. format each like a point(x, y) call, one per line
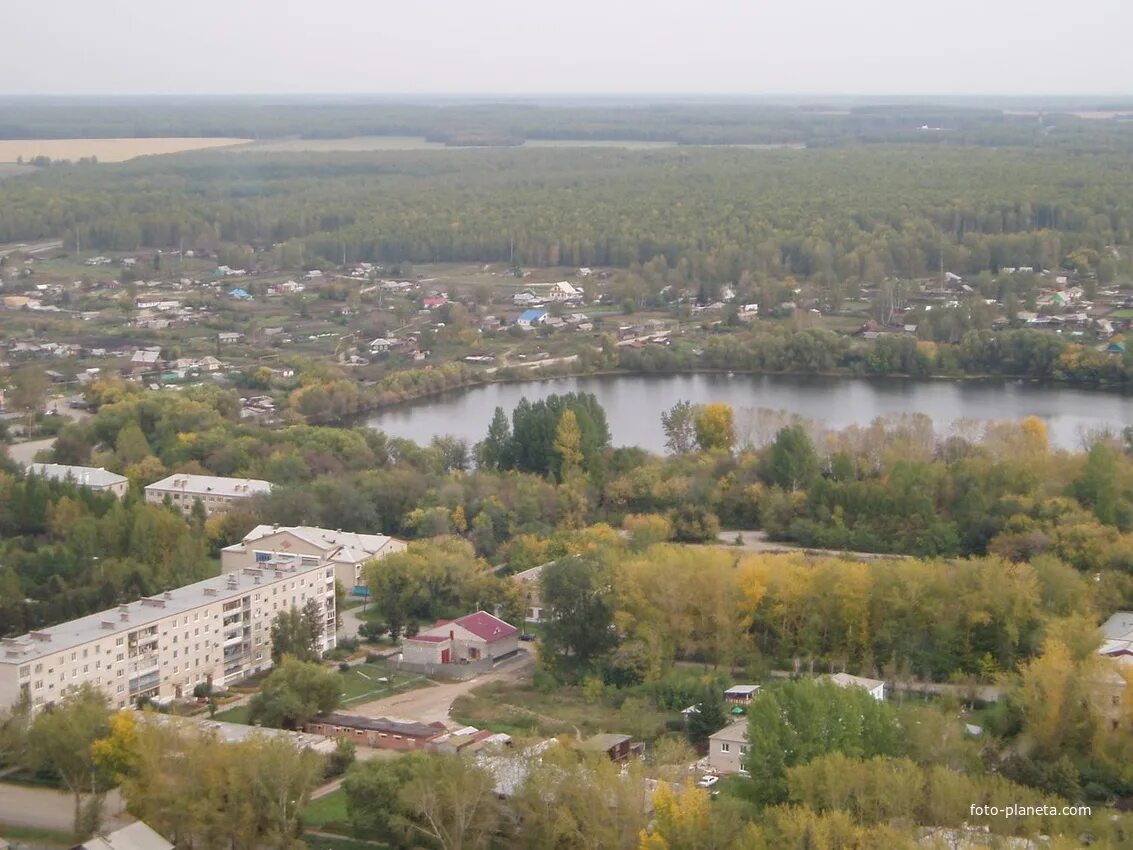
point(107, 150)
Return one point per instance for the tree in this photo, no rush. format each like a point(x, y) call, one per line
point(15, 722)
point(715, 426)
point(29, 389)
point(296, 633)
point(679, 424)
point(568, 445)
point(450, 800)
point(294, 693)
point(131, 446)
point(494, 452)
point(790, 462)
point(61, 738)
point(579, 590)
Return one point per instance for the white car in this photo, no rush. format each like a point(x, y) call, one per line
point(708, 781)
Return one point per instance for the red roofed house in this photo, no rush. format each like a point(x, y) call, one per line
point(472, 638)
point(433, 301)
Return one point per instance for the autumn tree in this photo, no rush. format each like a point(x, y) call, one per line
point(679, 424)
point(715, 427)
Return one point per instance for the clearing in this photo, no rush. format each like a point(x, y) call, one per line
point(107, 150)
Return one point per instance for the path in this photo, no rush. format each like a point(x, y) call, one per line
point(433, 705)
point(757, 542)
point(37, 248)
point(43, 808)
point(24, 453)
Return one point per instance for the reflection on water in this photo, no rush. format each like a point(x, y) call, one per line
point(634, 404)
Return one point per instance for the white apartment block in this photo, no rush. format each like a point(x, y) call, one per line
point(346, 551)
point(216, 493)
point(216, 631)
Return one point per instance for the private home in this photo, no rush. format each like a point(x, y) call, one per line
point(146, 360)
point(136, 836)
point(381, 345)
point(563, 291)
point(1117, 632)
point(215, 492)
point(214, 632)
point(97, 479)
point(229, 337)
point(478, 637)
point(432, 302)
point(345, 551)
point(741, 694)
point(728, 748)
point(525, 298)
point(529, 318)
point(876, 687)
point(618, 748)
point(379, 733)
point(529, 583)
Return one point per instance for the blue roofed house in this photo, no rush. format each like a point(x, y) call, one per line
point(240, 294)
point(530, 318)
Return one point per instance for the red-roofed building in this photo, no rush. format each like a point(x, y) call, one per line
point(472, 638)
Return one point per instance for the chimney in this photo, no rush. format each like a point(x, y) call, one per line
point(451, 635)
point(107, 624)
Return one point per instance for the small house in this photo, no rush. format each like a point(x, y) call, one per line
point(530, 318)
point(469, 639)
point(876, 687)
point(741, 694)
point(728, 748)
point(618, 748)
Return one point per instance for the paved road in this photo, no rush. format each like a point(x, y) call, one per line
point(37, 248)
point(433, 704)
point(42, 808)
point(24, 453)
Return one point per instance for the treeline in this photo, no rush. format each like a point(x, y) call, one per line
point(67, 552)
point(453, 122)
point(829, 217)
point(1017, 353)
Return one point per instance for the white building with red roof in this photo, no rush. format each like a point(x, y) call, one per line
point(472, 638)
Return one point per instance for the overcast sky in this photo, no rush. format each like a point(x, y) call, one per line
point(576, 46)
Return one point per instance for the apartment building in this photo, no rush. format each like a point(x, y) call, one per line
point(216, 493)
point(216, 631)
point(346, 551)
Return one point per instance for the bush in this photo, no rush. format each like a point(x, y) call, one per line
point(344, 667)
point(349, 644)
point(544, 682)
point(340, 760)
point(202, 690)
point(374, 658)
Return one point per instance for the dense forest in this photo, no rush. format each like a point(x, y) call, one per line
point(455, 121)
point(834, 217)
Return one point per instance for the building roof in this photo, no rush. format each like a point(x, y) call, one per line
point(215, 484)
point(486, 627)
point(136, 836)
point(742, 691)
point(86, 476)
point(347, 547)
point(531, 315)
point(845, 680)
point(603, 742)
point(426, 638)
point(734, 731)
point(148, 610)
point(387, 725)
point(1119, 626)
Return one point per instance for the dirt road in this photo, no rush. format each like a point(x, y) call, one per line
point(756, 541)
point(42, 808)
point(433, 704)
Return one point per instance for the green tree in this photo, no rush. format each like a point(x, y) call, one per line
point(60, 740)
point(131, 445)
point(28, 391)
point(579, 590)
point(679, 424)
point(294, 693)
point(296, 633)
point(790, 462)
point(494, 452)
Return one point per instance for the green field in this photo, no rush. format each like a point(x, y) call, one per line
point(327, 813)
point(234, 715)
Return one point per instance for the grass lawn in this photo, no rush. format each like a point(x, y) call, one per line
point(327, 812)
point(362, 683)
point(523, 710)
point(234, 715)
point(1124, 313)
point(36, 837)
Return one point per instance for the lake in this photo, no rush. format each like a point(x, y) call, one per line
point(634, 404)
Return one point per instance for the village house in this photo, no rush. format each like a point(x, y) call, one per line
point(564, 291)
point(345, 551)
point(618, 748)
point(146, 360)
point(472, 638)
point(525, 298)
point(529, 583)
point(728, 747)
point(741, 694)
point(529, 318)
point(229, 337)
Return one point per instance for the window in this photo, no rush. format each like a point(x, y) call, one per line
point(725, 748)
point(120, 641)
point(743, 749)
point(25, 670)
